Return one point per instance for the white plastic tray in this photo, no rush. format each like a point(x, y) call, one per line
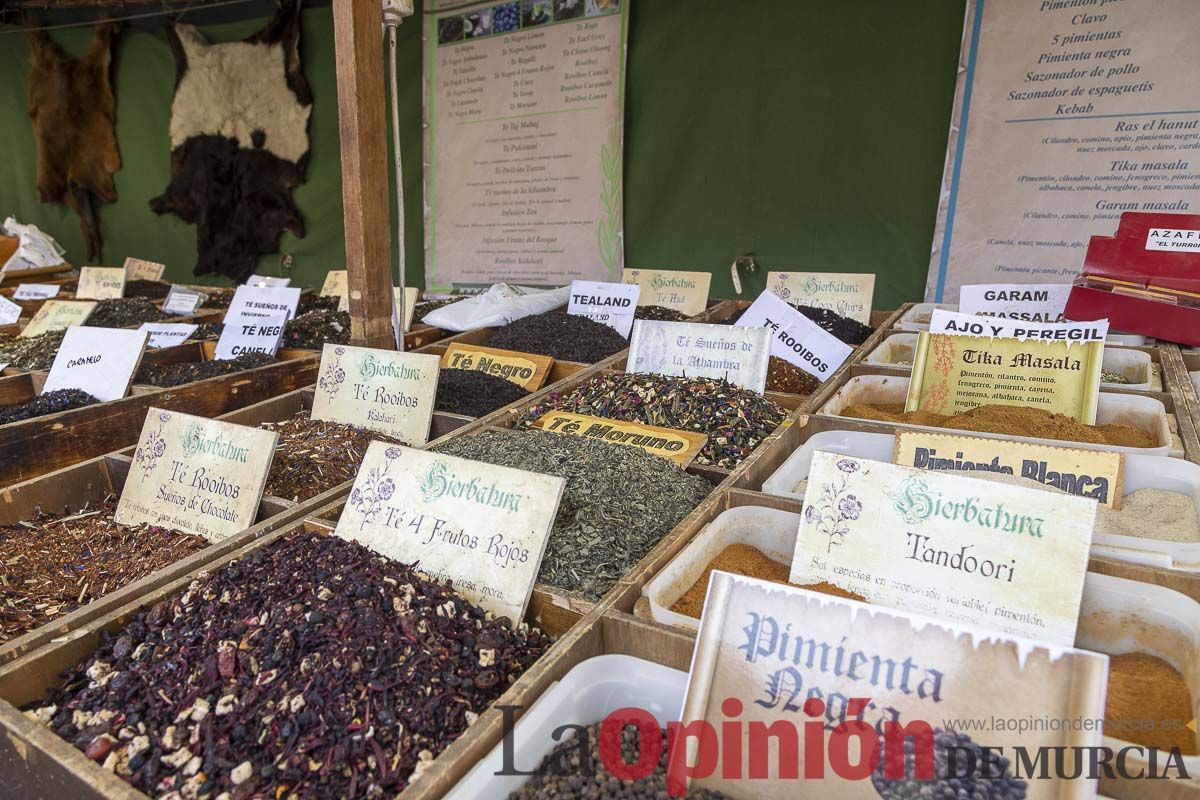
point(767, 529)
point(1145, 413)
point(586, 695)
point(1122, 616)
point(1141, 472)
point(1136, 365)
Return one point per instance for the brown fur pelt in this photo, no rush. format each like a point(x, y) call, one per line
point(239, 142)
point(72, 107)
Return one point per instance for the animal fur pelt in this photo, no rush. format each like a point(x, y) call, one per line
point(239, 142)
point(72, 108)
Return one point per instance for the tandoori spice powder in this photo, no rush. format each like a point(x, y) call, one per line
point(744, 559)
point(1148, 703)
point(1010, 420)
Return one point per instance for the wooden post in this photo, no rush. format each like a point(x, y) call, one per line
point(358, 43)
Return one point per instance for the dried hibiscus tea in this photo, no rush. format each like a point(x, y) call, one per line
point(310, 667)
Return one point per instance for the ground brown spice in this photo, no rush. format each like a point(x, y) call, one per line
point(1141, 688)
point(1011, 420)
point(743, 559)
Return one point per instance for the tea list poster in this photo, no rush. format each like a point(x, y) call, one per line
point(1067, 114)
point(524, 110)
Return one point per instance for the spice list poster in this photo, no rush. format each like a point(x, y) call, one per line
point(1067, 113)
point(524, 110)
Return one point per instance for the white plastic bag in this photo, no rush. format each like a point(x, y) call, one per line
point(36, 248)
point(499, 305)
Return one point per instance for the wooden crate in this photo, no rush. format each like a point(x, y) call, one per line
point(37, 763)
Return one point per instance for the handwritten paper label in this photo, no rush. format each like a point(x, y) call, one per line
point(1095, 474)
point(36, 291)
point(1181, 240)
point(383, 390)
point(795, 338)
point(611, 304)
point(1027, 302)
point(954, 374)
point(847, 293)
point(10, 312)
point(771, 648)
point(953, 322)
point(899, 536)
point(99, 361)
point(482, 526)
point(138, 270)
point(672, 444)
point(739, 355)
point(196, 475)
point(527, 370)
point(167, 334)
point(260, 301)
point(181, 301)
point(250, 335)
point(100, 283)
point(686, 292)
point(54, 315)
point(265, 282)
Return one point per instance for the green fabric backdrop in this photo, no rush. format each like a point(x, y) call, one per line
point(810, 133)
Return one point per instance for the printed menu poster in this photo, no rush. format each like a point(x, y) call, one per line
point(1067, 114)
point(524, 110)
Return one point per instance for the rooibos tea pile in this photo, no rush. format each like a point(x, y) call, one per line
point(189, 371)
point(735, 420)
point(474, 393)
point(784, 376)
point(122, 312)
point(48, 403)
point(312, 330)
point(311, 667)
point(36, 352)
point(151, 290)
point(51, 565)
point(618, 502)
point(575, 770)
point(565, 337)
point(659, 313)
point(848, 330)
point(312, 455)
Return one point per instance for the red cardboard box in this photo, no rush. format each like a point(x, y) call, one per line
point(1145, 279)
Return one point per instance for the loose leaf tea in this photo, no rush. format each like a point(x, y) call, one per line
point(34, 353)
point(474, 393)
point(618, 503)
point(735, 420)
point(660, 313)
point(311, 667)
point(429, 306)
point(122, 312)
point(216, 298)
point(561, 336)
point(208, 330)
point(784, 376)
point(849, 330)
point(48, 403)
point(574, 770)
point(312, 330)
point(312, 456)
point(189, 371)
point(51, 565)
point(1114, 377)
point(151, 290)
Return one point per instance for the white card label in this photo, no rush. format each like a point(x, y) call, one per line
point(138, 270)
point(795, 338)
point(696, 350)
point(611, 304)
point(483, 526)
point(100, 283)
point(264, 282)
point(1027, 302)
point(10, 312)
point(196, 475)
point(36, 291)
point(255, 301)
point(99, 361)
point(384, 390)
point(167, 334)
point(849, 294)
point(952, 322)
point(250, 335)
point(181, 301)
point(1173, 239)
